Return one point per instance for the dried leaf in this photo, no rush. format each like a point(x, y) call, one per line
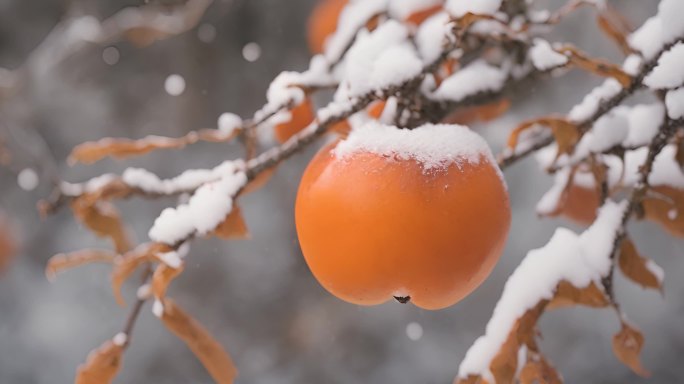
point(569, 295)
point(259, 181)
point(679, 156)
point(102, 364)
point(627, 346)
point(597, 66)
point(505, 364)
point(665, 206)
point(566, 133)
point(93, 151)
point(212, 355)
point(125, 265)
point(537, 370)
point(636, 267)
point(481, 113)
point(614, 31)
point(62, 261)
point(8, 246)
point(103, 219)
point(145, 25)
point(162, 277)
point(233, 227)
point(471, 379)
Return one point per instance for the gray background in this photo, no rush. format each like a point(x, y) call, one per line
point(257, 297)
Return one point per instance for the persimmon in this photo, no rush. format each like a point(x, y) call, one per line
point(421, 215)
point(300, 117)
point(7, 244)
point(375, 109)
point(323, 23)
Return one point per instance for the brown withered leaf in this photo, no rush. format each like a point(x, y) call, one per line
point(163, 276)
point(680, 151)
point(146, 24)
point(125, 265)
point(614, 31)
point(63, 261)
point(537, 370)
point(505, 363)
point(103, 219)
point(635, 267)
point(8, 246)
point(233, 227)
point(101, 365)
point(568, 8)
point(471, 379)
point(93, 151)
point(568, 295)
point(665, 206)
point(596, 66)
point(481, 113)
point(212, 355)
point(566, 133)
point(627, 346)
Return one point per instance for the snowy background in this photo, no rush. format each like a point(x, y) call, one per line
point(257, 297)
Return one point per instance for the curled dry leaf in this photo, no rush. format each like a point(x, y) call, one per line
point(125, 265)
point(627, 345)
point(636, 267)
point(103, 219)
point(566, 133)
point(212, 355)
point(614, 30)
point(102, 364)
point(162, 277)
point(596, 66)
point(233, 227)
point(568, 295)
point(93, 151)
point(62, 261)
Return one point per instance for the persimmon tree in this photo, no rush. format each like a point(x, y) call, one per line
point(406, 78)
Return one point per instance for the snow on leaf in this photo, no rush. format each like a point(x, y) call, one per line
point(638, 268)
point(538, 370)
point(477, 77)
point(627, 346)
point(544, 57)
point(63, 261)
point(596, 66)
point(101, 365)
point(210, 353)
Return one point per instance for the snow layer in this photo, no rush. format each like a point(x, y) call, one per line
point(669, 73)
point(431, 35)
point(381, 58)
point(670, 13)
point(578, 259)
point(674, 100)
point(402, 9)
point(477, 77)
point(459, 8)
point(666, 170)
point(591, 102)
point(544, 57)
point(648, 39)
point(352, 19)
point(433, 146)
point(187, 181)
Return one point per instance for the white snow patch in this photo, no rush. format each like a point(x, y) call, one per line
point(120, 339)
point(648, 39)
point(670, 13)
point(544, 57)
point(459, 8)
point(475, 78)
point(229, 122)
point(402, 9)
point(674, 100)
point(431, 36)
point(666, 170)
point(352, 19)
point(669, 73)
point(591, 102)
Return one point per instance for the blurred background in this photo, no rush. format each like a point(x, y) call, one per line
point(257, 297)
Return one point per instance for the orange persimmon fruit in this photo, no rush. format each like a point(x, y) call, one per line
point(323, 23)
point(300, 117)
point(378, 221)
